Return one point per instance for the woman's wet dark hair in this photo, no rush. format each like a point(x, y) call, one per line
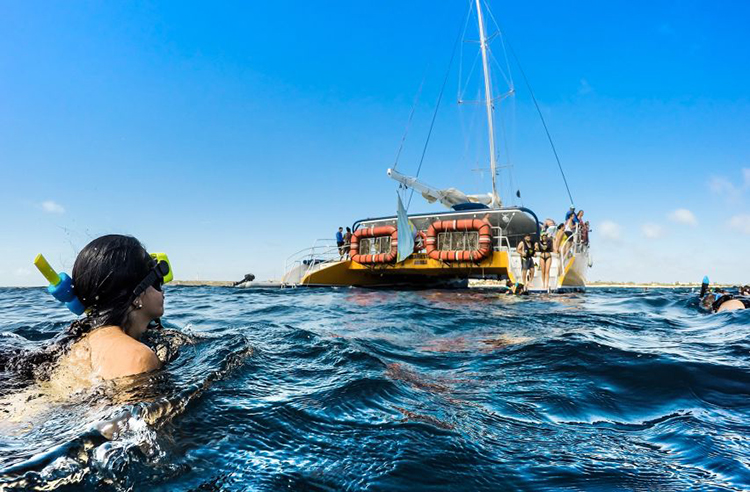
point(105, 273)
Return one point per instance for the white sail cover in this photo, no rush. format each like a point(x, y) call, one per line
point(448, 197)
point(405, 233)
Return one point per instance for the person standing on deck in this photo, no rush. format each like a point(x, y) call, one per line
point(571, 213)
point(347, 242)
point(545, 258)
point(526, 249)
point(340, 242)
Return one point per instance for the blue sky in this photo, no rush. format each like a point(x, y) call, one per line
point(233, 135)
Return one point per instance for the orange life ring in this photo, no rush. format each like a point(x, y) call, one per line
point(380, 231)
point(481, 226)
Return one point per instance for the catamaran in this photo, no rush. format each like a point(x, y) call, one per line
point(476, 238)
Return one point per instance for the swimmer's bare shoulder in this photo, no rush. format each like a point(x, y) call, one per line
point(731, 305)
point(114, 354)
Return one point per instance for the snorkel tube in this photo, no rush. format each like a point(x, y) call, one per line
point(704, 287)
point(60, 285)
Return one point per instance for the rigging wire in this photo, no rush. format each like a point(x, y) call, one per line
point(434, 115)
point(408, 123)
point(544, 123)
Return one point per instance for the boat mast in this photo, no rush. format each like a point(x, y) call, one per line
point(496, 202)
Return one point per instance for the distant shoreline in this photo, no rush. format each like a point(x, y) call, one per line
point(203, 283)
point(472, 283)
point(614, 285)
point(494, 283)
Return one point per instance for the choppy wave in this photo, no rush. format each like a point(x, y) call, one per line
point(332, 389)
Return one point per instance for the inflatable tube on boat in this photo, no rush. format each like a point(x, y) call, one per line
point(481, 226)
point(374, 232)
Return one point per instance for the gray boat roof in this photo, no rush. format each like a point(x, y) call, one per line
point(515, 222)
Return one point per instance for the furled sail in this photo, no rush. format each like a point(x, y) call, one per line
point(448, 197)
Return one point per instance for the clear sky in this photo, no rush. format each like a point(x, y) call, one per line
point(231, 135)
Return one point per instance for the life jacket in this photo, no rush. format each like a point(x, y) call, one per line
point(528, 250)
point(545, 246)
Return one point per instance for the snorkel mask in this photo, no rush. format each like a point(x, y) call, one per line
point(160, 274)
point(61, 285)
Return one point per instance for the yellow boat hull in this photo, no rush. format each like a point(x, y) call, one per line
point(417, 269)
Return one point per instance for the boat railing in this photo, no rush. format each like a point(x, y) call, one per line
point(322, 251)
point(575, 245)
point(498, 239)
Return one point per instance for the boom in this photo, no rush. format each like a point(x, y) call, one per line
point(448, 197)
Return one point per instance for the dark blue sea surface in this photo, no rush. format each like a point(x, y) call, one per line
point(354, 389)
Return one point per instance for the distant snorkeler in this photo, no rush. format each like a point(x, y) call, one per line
point(717, 301)
point(515, 288)
point(119, 285)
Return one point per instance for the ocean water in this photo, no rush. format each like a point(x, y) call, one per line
point(355, 389)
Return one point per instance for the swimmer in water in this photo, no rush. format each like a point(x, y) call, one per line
point(719, 301)
point(120, 285)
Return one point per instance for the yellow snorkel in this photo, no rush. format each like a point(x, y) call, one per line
point(60, 285)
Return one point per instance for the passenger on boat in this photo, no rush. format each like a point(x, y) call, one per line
point(570, 225)
point(527, 249)
point(347, 242)
point(340, 242)
point(744, 290)
point(585, 233)
point(569, 230)
point(571, 213)
point(558, 237)
point(545, 258)
point(550, 227)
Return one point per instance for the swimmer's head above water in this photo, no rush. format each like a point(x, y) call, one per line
point(120, 284)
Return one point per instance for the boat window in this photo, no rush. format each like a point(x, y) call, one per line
point(458, 241)
point(375, 245)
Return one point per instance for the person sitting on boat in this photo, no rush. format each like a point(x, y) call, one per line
point(347, 242)
point(527, 250)
point(340, 242)
point(545, 258)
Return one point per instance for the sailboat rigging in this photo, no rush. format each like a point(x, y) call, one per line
point(476, 238)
